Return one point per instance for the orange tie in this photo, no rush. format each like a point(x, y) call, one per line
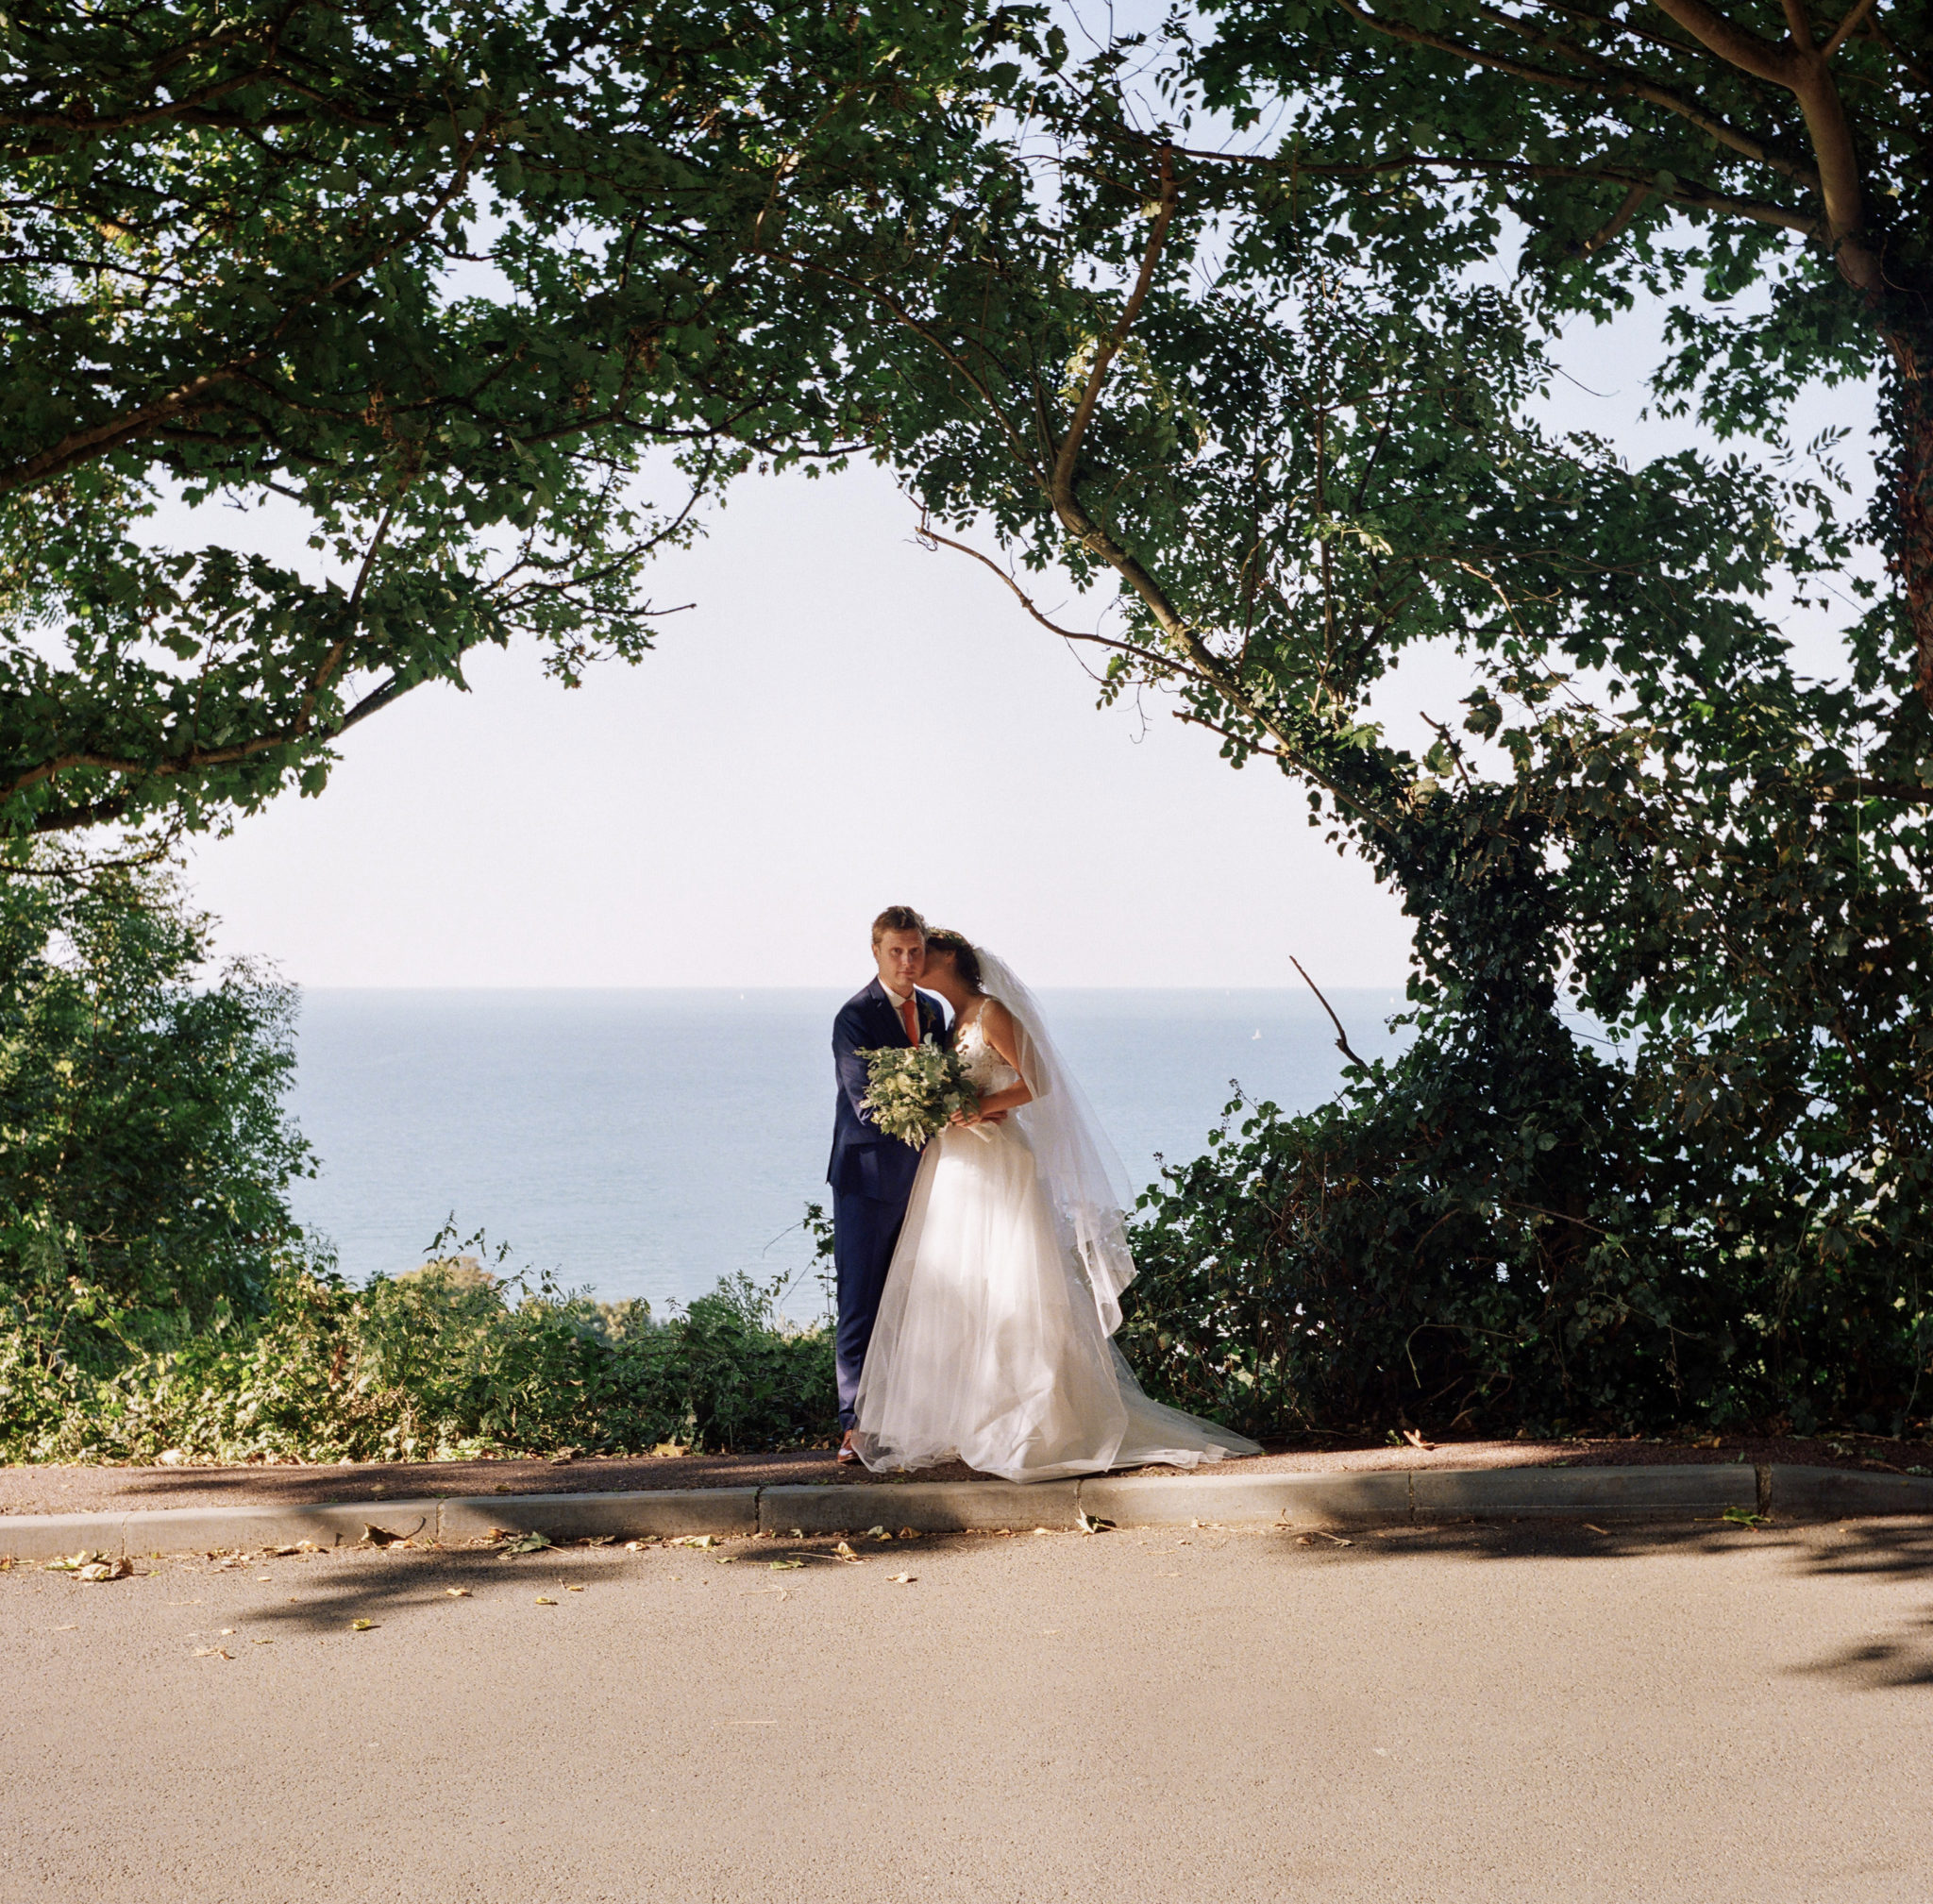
point(909, 1016)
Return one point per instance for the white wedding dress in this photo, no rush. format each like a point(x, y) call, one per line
point(993, 1344)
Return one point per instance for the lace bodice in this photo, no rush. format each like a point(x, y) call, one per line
point(985, 1069)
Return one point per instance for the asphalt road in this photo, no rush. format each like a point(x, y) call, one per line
point(1489, 1714)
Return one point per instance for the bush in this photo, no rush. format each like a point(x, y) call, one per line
point(434, 1365)
point(145, 1155)
point(1464, 1244)
point(156, 1293)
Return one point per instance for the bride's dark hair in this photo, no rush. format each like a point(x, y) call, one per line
point(958, 948)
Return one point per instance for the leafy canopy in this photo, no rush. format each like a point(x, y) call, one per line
point(429, 284)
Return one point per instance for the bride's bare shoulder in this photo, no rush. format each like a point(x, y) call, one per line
point(996, 1021)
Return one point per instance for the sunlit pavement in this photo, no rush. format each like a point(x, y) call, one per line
point(1485, 1713)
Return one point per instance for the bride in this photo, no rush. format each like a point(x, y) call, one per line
point(993, 1344)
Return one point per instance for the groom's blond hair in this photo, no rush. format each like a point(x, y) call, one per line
point(897, 918)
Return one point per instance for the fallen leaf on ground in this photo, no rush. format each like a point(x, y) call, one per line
point(595, 1540)
point(283, 1550)
point(724, 1560)
point(1043, 1531)
point(67, 1629)
point(361, 1626)
point(543, 1602)
point(382, 1536)
point(780, 1566)
point(1415, 1440)
point(213, 1653)
point(67, 1563)
point(458, 1592)
point(636, 1546)
point(103, 1570)
point(695, 1540)
point(1091, 1524)
point(877, 1534)
point(909, 1533)
point(264, 1579)
point(669, 1449)
point(1743, 1517)
point(903, 1579)
point(265, 1642)
point(1592, 1527)
point(532, 1542)
point(574, 1590)
point(845, 1552)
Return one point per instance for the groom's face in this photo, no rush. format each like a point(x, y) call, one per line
point(902, 958)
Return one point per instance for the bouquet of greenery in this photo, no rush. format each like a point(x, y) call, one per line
point(914, 1091)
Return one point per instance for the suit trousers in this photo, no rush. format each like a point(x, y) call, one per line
point(864, 1234)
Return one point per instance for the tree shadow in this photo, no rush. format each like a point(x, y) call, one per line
point(336, 1586)
point(1880, 1549)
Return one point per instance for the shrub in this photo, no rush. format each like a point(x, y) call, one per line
point(432, 1366)
point(145, 1155)
point(1495, 1251)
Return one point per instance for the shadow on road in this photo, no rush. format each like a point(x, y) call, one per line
point(324, 1596)
point(1896, 1549)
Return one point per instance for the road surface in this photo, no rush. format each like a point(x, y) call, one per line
point(1468, 1714)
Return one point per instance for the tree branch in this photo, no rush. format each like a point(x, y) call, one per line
point(1687, 191)
point(1733, 43)
point(1844, 29)
point(1341, 1035)
point(1624, 81)
point(1105, 353)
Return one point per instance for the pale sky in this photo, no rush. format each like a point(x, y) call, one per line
point(843, 721)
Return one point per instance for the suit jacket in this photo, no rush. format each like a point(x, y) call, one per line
point(864, 1163)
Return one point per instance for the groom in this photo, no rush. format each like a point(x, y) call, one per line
point(871, 1174)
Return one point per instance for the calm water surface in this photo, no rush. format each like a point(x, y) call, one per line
point(644, 1143)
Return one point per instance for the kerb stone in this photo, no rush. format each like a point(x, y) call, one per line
point(1826, 1494)
point(57, 1536)
point(926, 1506)
point(636, 1514)
point(1283, 1500)
point(1581, 1493)
point(210, 1530)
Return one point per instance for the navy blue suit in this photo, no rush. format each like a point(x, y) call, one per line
point(871, 1176)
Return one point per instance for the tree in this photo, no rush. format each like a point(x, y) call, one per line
point(432, 281)
point(144, 1154)
point(1772, 156)
point(1266, 400)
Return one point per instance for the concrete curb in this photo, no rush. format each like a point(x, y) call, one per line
point(1418, 1497)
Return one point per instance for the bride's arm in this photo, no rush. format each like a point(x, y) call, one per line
point(996, 1024)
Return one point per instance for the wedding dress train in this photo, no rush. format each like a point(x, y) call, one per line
point(994, 1341)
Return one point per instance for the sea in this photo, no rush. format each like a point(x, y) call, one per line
point(645, 1143)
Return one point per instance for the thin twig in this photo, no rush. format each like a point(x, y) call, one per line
point(1341, 1035)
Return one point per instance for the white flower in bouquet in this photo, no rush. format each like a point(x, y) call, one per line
point(916, 1091)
